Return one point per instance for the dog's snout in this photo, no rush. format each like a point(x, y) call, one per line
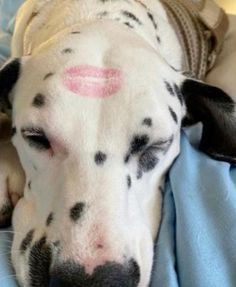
point(111, 274)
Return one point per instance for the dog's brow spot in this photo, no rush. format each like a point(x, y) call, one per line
point(129, 182)
point(13, 131)
point(147, 122)
point(129, 25)
point(169, 88)
point(29, 184)
point(131, 16)
point(158, 39)
point(138, 143)
point(39, 101)
point(67, 51)
point(48, 75)
point(100, 158)
point(151, 17)
point(173, 115)
point(50, 219)
point(77, 211)
point(27, 241)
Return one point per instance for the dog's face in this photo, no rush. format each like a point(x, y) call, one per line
point(97, 124)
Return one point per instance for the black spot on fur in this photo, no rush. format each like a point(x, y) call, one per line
point(39, 262)
point(26, 241)
point(48, 75)
point(169, 88)
point(127, 157)
point(77, 211)
point(75, 32)
point(139, 143)
point(179, 94)
point(173, 115)
point(151, 17)
point(113, 274)
point(100, 158)
point(131, 16)
point(141, 4)
point(129, 25)
point(13, 131)
point(129, 182)
point(49, 219)
point(148, 160)
point(158, 39)
point(147, 122)
point(139, 173)
point(67, 51)
point(29, 184)
point(39, 101)
point(5, 215)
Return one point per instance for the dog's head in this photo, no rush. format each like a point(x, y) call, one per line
point(97, 115)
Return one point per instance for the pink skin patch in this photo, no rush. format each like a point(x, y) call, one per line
point(90, 81)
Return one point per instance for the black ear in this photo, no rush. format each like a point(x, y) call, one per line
point(9, 74)
point(216, 110)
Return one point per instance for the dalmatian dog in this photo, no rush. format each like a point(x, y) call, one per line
point(98, 98)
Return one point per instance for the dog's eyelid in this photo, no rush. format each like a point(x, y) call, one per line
point(31, 131)
point(36, 138)
point(163, 142)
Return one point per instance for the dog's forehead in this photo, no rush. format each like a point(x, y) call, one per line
point(101, 44)
point(111, 90)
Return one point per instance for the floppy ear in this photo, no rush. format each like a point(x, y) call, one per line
point(9, 74)
point(216, 110)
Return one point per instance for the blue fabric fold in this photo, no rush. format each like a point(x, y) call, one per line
point(196, 244)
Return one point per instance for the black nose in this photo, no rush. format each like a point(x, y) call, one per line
point(111, 274)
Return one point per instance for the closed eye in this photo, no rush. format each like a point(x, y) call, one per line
point(162, 145)
point(36, 138)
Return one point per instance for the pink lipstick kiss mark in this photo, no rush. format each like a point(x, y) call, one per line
point(90, 81)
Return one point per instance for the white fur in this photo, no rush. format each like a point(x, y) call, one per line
point(126, 220)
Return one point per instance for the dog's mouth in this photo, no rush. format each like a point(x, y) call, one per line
point(91, 81)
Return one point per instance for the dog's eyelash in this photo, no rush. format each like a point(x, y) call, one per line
point(36, 138)
point(162, 145)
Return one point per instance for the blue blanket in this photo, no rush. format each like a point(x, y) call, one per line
point(195, 247)
point(196, 241)
point(7, 12)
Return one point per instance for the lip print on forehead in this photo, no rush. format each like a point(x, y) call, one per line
point(91, 81)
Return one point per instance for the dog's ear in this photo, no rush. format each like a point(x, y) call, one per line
point(9, 75)
point(216, 110)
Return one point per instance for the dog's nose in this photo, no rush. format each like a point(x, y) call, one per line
point(110, 274)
